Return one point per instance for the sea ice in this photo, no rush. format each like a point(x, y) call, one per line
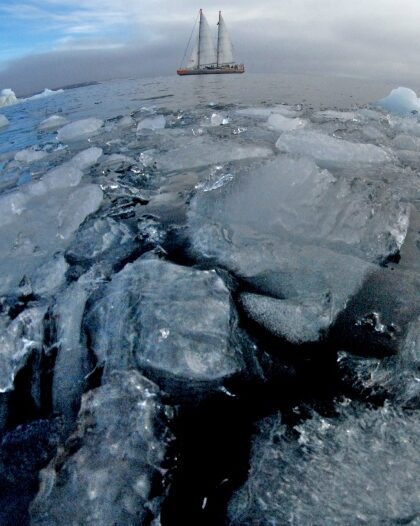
point(292, 231)
point(86, 158)
point(79, 130)
point(329, 152)
point(151, 123)
point(331, 115)
point(7, 97)
point(72, 364)
point(4, 121)
point(278, 122)
point(115, 475)
point(176, 322)
point(20, 339)
point(29, 155)
point(52, 123)
point(400, 100)
point(204, 151)
point(357, 468)
point(394, 377)
point(37, 221)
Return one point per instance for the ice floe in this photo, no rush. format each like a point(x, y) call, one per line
point(79, 130)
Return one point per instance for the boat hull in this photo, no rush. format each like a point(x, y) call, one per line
point(213, 71)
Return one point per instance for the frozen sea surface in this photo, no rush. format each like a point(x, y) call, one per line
point(180, 260)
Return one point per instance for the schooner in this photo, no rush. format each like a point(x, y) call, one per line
point(207, 58)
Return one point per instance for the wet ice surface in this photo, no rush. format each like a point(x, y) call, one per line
point(257, 254)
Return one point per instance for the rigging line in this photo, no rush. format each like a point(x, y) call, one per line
point(189, 40)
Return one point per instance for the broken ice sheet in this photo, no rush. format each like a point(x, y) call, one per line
point(204, 151)
point(79, 130)
point(358, 468)
point(115, 475)
point(329, 152)
point(292, 231)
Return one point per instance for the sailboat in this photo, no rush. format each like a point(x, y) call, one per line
point(206, 58)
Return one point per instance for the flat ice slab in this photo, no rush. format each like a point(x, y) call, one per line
point(79, 130)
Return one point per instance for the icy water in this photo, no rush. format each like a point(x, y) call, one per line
point(209, 304)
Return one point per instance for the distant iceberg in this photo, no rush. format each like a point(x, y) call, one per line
point(46, 93)
point(8, 96)
point(401, 100)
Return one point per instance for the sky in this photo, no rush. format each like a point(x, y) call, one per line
point(52, 43)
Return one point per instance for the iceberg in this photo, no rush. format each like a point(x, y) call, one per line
point(46, 93)
point(401, 101)
point(7, 97)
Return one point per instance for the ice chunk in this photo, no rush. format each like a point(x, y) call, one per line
point(217, 119)
point(278, 122)
point(72, 364)
point(395, 377)
point(203, 151)
point(330, 152)
point(86, 158)
point(294, 199)
point(7, 97)
point(115, 475)
point(292, 231)
point(332, 115)
point(297, 322)
point(79, 130)
point(151, 123)
point(377, 318)
point(52, 123)
point(4, 121)
point(19, 338)
point(177, 322)
point(50, 276)
point(126, 122)
point(38, 221)
point(369, 457)
point(103, 241)
point(406, 142)
point(29, 155)
point(400, 100)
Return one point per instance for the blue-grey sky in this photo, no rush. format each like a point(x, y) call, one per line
point(48, 43)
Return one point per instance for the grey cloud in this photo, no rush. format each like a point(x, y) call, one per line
point(300, 36)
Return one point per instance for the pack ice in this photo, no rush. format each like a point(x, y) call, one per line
point(167, 291)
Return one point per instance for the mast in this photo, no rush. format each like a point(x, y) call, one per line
point(199, 38)
point(218, 40)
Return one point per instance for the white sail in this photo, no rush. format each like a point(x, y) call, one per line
point(206, 50)
point(193, 62)
point(224, 45)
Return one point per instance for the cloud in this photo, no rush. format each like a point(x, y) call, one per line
point(111, 38)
